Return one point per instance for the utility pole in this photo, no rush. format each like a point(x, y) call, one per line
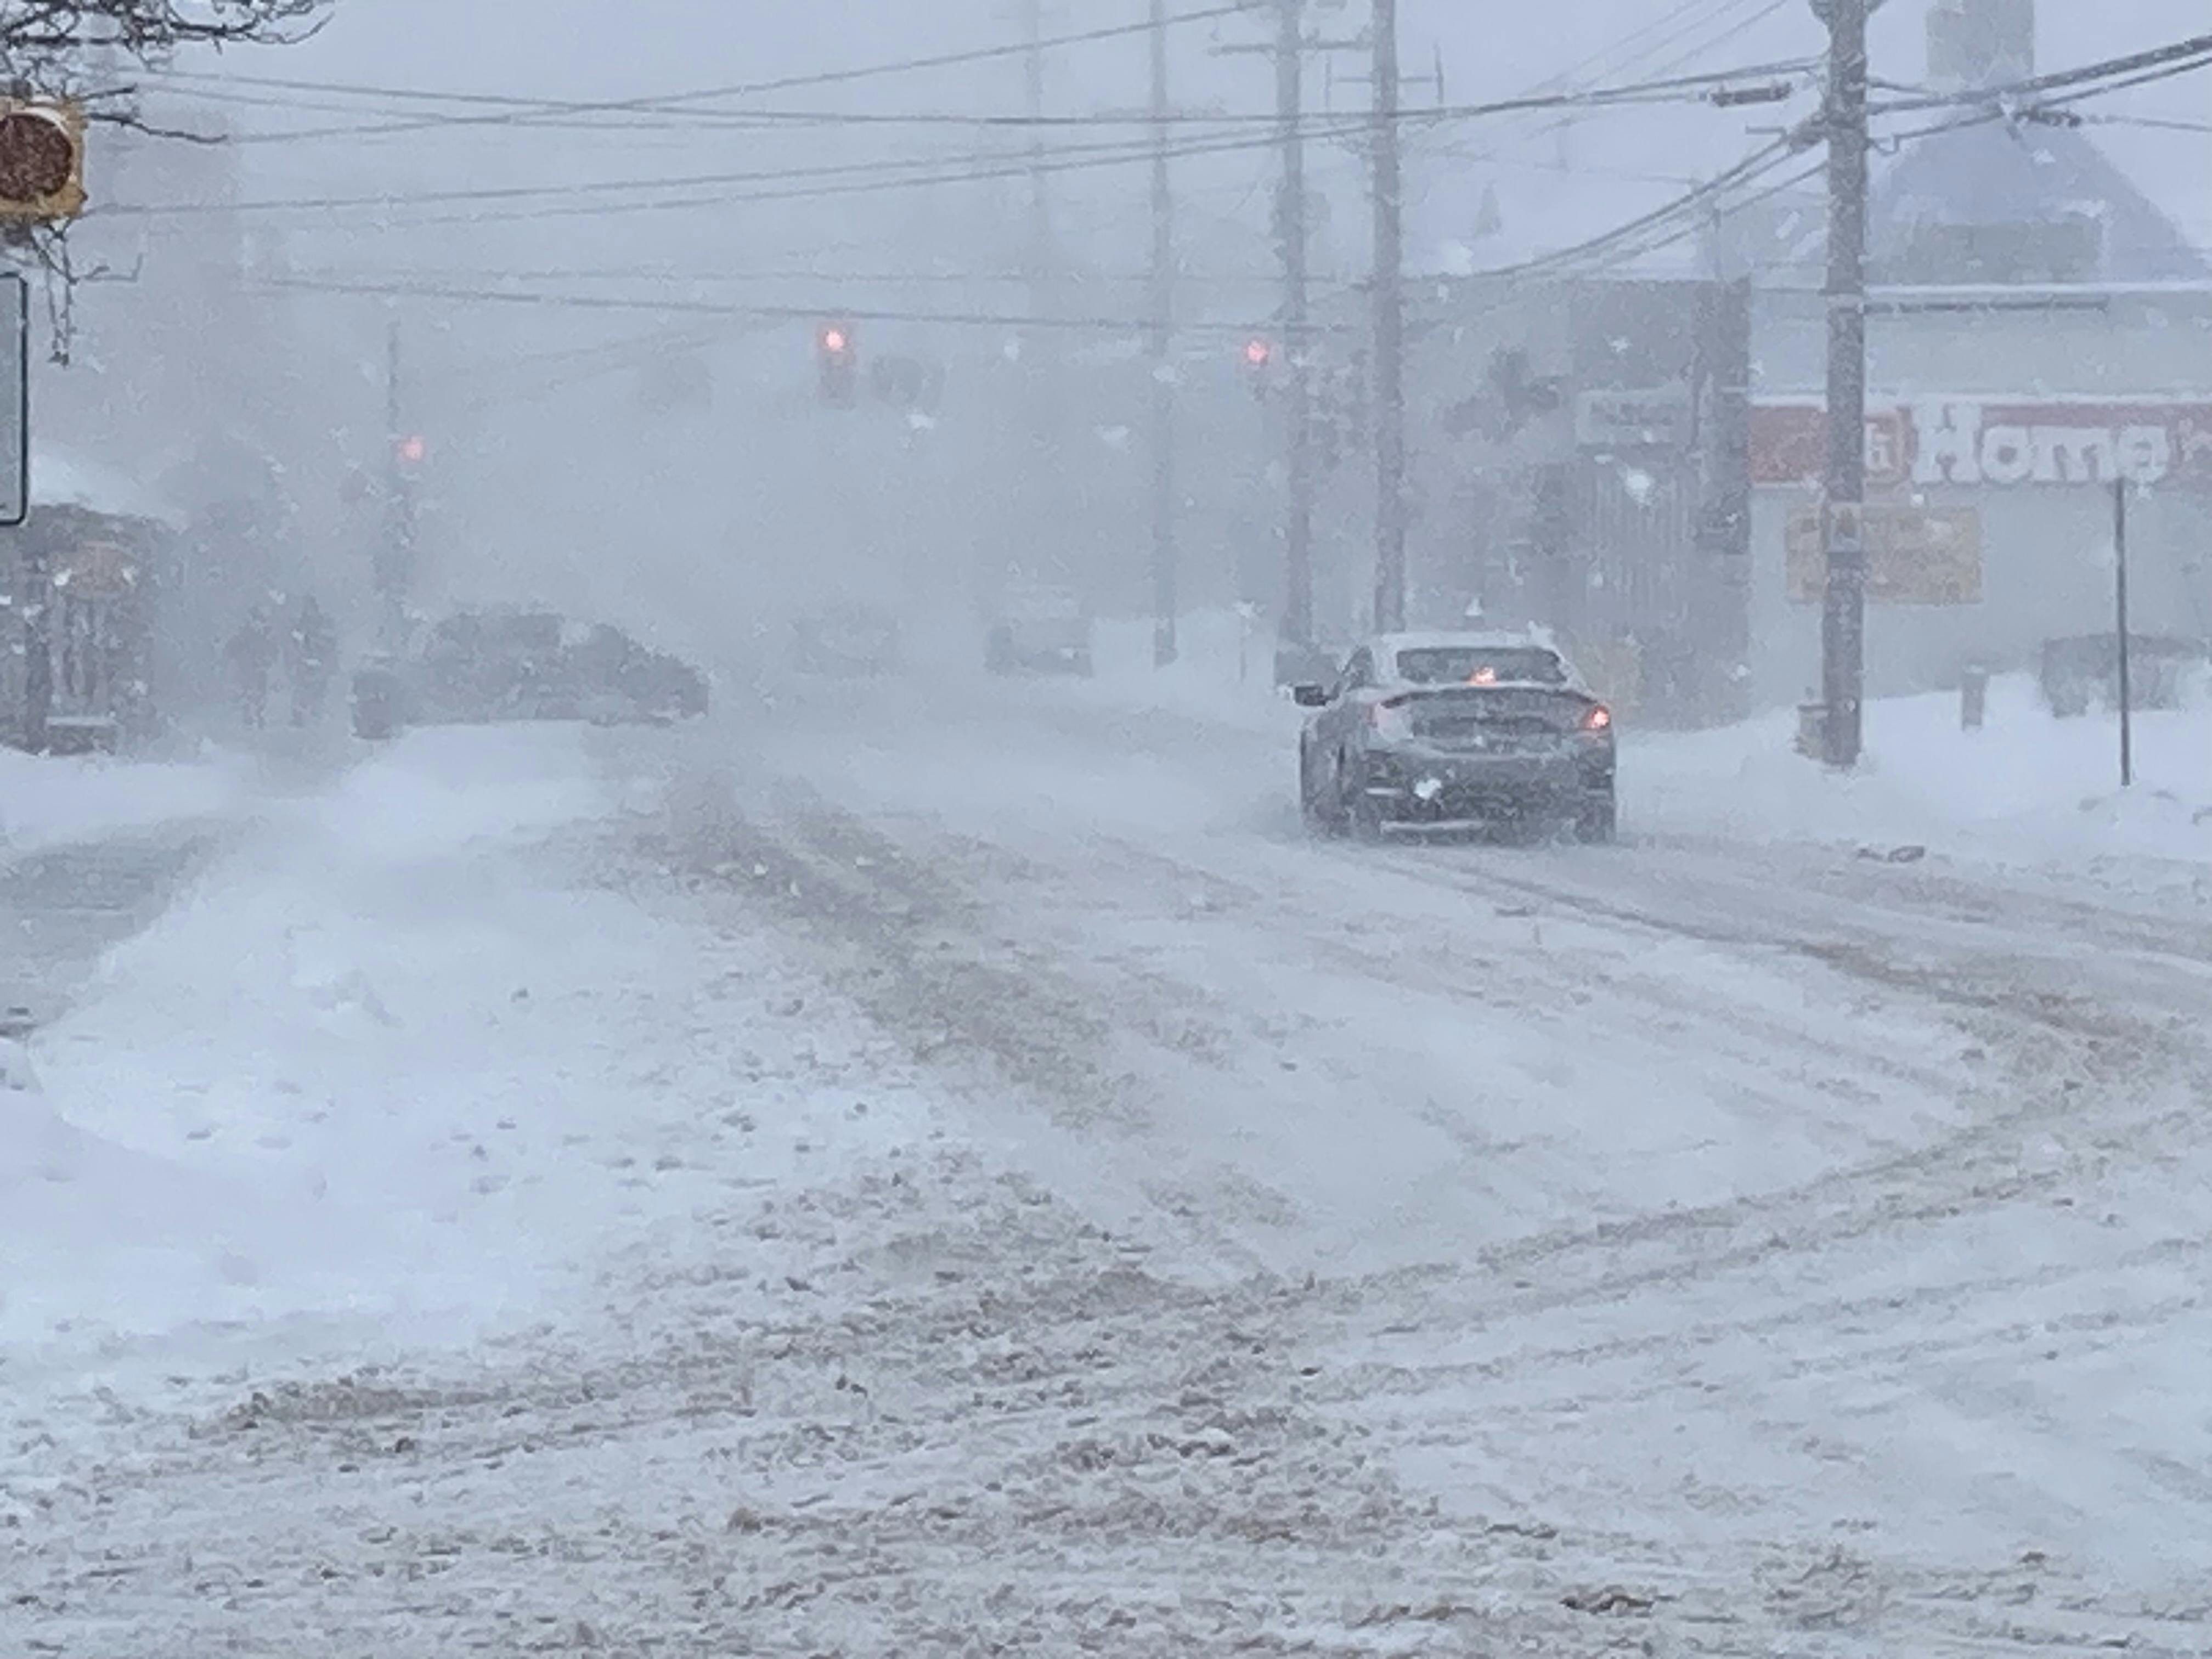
point(395, 559)
point(1843, 612)
point(1163, 388)
point(2120, 611)
point(1294, 645)
point(1040, 233)
point(1038, 489)
point(1296, 639)
point(1389, 325)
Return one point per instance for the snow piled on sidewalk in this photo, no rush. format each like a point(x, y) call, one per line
point(47, 801)
point(2027, 789)
point(398, 1063)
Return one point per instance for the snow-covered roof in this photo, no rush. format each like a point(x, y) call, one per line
point(61, 478)
point(2000, 174)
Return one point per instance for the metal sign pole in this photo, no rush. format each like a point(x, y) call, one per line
point(15, 398)
point(2120, 617)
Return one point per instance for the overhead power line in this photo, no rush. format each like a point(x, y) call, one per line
point(2152, 123)
point(1650, 43)
point(2179, 57)
point(804, 185)
point(1685, 215)
point(1257, 132)
point(1665, 89)
point(1100, 324)
point(812, 276)
point(502, 108)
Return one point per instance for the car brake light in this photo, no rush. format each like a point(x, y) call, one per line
point(1599, 718)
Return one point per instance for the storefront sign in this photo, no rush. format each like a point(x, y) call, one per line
point(1658, 418)
point(1996, 443)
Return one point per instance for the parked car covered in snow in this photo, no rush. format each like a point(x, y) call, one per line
point(482, 668)
point(1456, 730)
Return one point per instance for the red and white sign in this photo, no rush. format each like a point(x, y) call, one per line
point(2001, 443)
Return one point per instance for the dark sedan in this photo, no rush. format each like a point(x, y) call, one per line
point(1455, 732)
point(483, 667)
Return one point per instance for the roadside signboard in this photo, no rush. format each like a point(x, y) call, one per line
point(1653, 418)
point(1914, 555)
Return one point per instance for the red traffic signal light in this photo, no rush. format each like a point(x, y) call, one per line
point(1258, 364)
point(839, 363)
point(412, 450)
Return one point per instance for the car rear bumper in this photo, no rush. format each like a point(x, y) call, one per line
point(1427, 792)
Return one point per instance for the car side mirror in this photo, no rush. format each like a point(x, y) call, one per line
point(1309, 696)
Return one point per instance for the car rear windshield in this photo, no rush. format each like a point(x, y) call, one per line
point(1470, 665)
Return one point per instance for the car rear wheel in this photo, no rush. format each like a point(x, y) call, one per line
point(1595, 823)
point(1322, 813)
point(1365, 816)
point(1358, 813)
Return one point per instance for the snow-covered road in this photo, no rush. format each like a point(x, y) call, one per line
point(970, 1176)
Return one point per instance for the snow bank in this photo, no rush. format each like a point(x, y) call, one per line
point(403, 1062)
point(48, 802)
point(100, 1237)
point(2026, 787)
point(216, 1141)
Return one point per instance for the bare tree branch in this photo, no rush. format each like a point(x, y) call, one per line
point(130, 120)
point(44, 43)
point(55, 48)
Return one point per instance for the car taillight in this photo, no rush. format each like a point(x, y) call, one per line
point(1599, 718)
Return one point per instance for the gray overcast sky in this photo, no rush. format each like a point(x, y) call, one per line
point(1620, 163)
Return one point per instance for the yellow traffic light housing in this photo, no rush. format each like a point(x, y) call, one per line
point(41, 159)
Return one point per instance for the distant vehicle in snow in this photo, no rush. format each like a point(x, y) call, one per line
point(850, 638)
point(1456, 731)
point(1038, 629)
point(485, 667)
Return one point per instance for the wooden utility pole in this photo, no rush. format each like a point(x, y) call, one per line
point(395, 562)
point(1843, 612)
point(1297, 638)
point(1389, 326)
point(1040, 227)
point(1162, 398)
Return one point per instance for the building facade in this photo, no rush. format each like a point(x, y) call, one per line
point(1999, 420)
point(1577, 455)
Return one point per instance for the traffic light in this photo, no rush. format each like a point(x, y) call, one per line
point(41, 159)
point(1259, 359)
point(410, 451)
point(839, 361)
